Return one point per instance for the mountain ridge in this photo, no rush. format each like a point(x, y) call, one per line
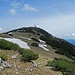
point(62, 46)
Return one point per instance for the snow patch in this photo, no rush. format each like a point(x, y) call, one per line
point(43, 45)
point(19, 42)
point(10, 33)
point(41, 41)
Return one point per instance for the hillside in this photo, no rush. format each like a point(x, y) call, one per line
point(62, 47)
point(18, 67)
point(40, 42)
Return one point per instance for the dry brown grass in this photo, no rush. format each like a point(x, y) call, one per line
point(21, 67)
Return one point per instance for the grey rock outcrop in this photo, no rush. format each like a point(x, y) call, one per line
point(34, 63)
point(4, 64)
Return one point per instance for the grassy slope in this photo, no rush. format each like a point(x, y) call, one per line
point(63, 47)
point(50, 54)
point(44, 56)
point(41, 69)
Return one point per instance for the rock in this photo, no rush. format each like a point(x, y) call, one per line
point(34, 63)
point(39, 63)
point(49, 67)
point(0, 60)
point(14, 56)
point(14, 64)
point(17, 72)
point(26, 69)
point(1, 67)
point(4, 64)
point(30, 70)
point(19, 67)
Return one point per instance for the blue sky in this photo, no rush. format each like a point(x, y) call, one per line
point(55, 16)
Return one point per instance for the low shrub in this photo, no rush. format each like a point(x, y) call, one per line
point(28, 55)
point(21, 50)
point(4, 44)
point(35, 45)
point(3, 57)
point(65, 66)
point(35, 39)
point(63, 52)
point(60, 51)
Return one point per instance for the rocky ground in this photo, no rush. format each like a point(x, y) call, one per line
point(16, 67)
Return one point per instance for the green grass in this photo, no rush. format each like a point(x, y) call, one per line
point(3, 57)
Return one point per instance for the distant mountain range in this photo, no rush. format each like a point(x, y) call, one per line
point(72, 41)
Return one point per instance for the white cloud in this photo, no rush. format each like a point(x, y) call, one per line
point(29, 8)
point(73, 34)
point(15, 4)
point(66, 35)
point(69, 35)
point(12, 11)
point(1, 29)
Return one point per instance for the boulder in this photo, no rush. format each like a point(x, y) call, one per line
point(34, 63)
point(14, 56)
point(4, 64)
point(1, 67)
